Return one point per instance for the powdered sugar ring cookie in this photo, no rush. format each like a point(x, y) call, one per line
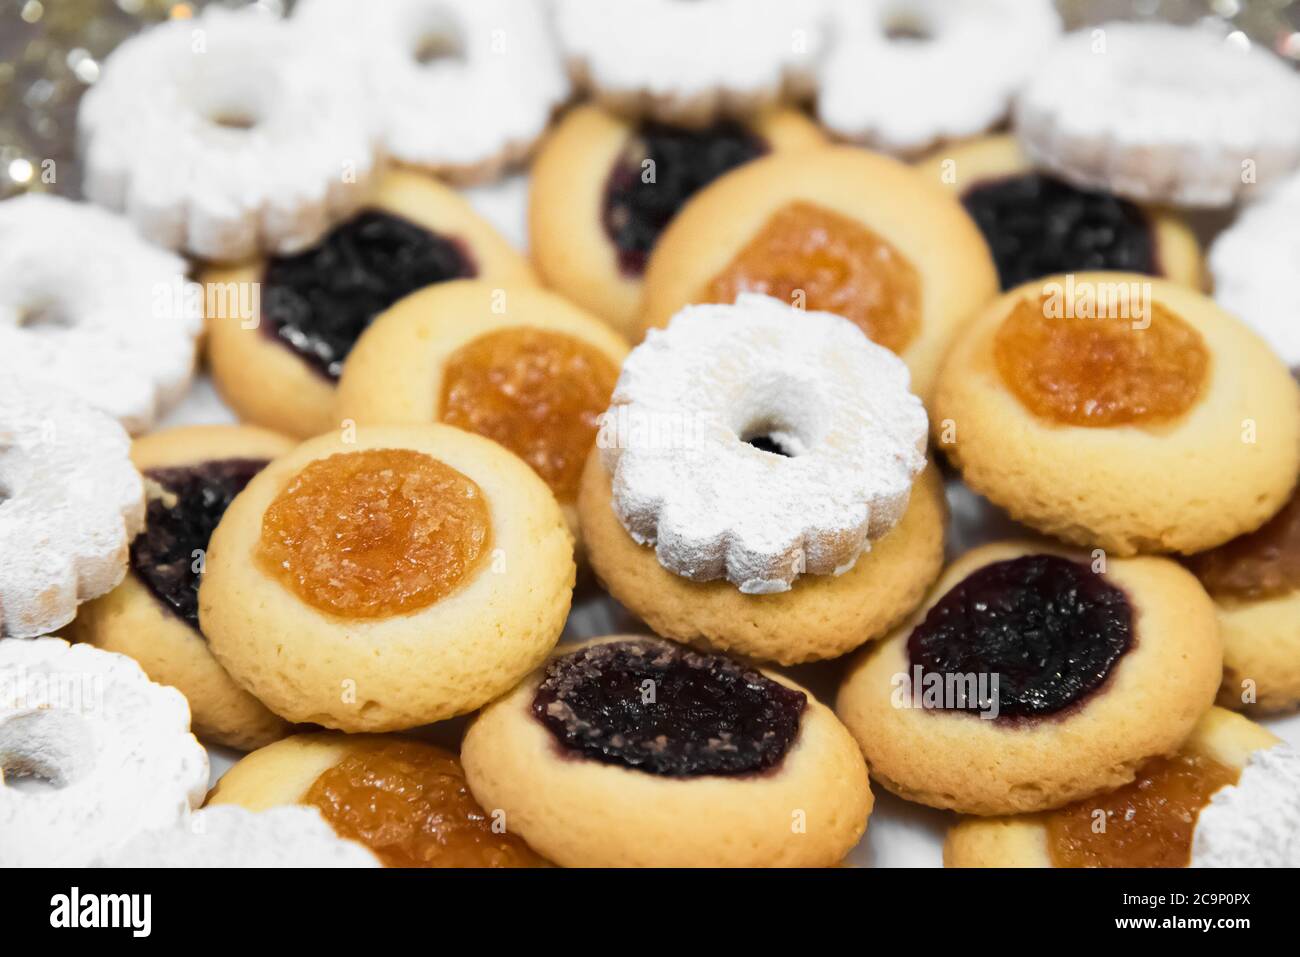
point(226, 136)
point(798, 443)
point(689, 63)
point(462, 88)
point(88, 305)
point(230, 836)
point(905, 76)
point(70, 501)
point(115, 746)
point(1161, 113)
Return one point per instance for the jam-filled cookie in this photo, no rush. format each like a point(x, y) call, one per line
point(1227, 797)
point(634, 751)
point(405, 799)
point(191, 476)
point(605, 188)
point(1032, 677)
point(516, 364)
point(280, 329)
point(1120, 411)
point(387, 578)
point(1038, 225)
point(837, 230)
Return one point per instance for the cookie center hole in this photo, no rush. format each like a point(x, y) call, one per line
point(902, 27)
point(234, 120)
point(439, 38)
point(766, 443)
point(45, 750)
point(44, 316)
point(774, 437)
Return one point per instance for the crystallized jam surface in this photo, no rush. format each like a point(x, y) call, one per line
point(1147, 823)
point(1263, 564)
point(538, 393)
point(1050, 629)
point(1100, 372)
point(662, 708)
point(408, 802)
point(375, 533)
point(838, 265)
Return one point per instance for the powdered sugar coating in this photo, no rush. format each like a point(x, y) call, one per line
point(70, 503)
point(226, 136)
point(89, 306)
point(957, 79)
point(1161, 113)
point(685, 479)
point(1256, 822)
point(116, 747)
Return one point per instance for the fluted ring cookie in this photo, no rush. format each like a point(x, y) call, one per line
point(1120, 411)
point(387, 577)
point(636, 752)
point(1032, 677)
point(191, 476)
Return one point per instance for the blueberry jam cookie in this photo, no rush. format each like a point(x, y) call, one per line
point(1222, 799)
point(404, 799)
point(837, 230)
point(605, 188)
point(1032, 677)
point(1037, 224)
point(634, 751)
point(1120, 411)
point(280, 329)
point(387, 577)
point(191, 476)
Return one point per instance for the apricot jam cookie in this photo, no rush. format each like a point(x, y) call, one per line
point(1032, 677)
point(191, 476)
point(280, 329)
point(1226, 798)
point(1037, 225)
point(516, 364)
point(1120, 411)
point(605, 188)
point(637, 752)
point(387, 578)
point(834, 230)
point(404, 799)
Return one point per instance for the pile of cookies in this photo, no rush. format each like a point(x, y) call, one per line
point(799, 276)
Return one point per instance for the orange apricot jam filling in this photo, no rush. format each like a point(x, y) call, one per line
point(1147, 823)
point(837, 264)
point(538, 393)
point(375, 533)
point(408, 802)
point(1263, 564)
point(1100, 372)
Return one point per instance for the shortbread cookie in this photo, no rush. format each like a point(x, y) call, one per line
point(1037, 225)
point(191, 475)
point(115, 748)
point(405, 800)
point(1161, 113)
point(516, 364)
point(636, 752)
point(833, 230)
point(605, 188)
point(88, 306)
point(70, 501)
point(330, 615)
point(233, 837)
point(1032, 677)
point(902, 77)
point(280, 329)
point(226, 136)
point(1226, 798)
point(1120, 411)
point(692, 63)
point(462, 88)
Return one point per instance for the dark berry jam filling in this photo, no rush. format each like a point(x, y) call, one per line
point(678, 163)
point(1037, 226)
point(185, 505)
point(666, 709)
point(320, 301)
point(1050, 629)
